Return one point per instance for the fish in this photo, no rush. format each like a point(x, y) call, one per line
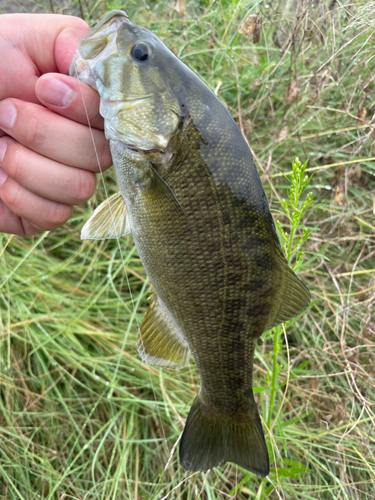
point(192, 199)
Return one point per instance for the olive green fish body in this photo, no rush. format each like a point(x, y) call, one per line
point(203, 229)
point(212, 264)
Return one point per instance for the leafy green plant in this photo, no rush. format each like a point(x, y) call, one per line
point(294, 208)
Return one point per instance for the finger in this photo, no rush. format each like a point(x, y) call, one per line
point(71, 98)
point(54, 136)
point(43, 214)
point(54, 38)
point(67, 40)
point(12, 224)
point(44, 43)
point(44, 177)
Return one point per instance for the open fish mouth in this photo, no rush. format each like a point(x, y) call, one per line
point(98, 44)
point(144, 117)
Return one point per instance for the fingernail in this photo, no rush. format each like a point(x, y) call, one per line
point(55, 92)
point(3, 177)
point(3, 148)
point(8, 114)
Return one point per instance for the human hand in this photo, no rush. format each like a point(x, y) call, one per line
point(47, 156)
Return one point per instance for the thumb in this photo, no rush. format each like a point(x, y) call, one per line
point(67, 42)
point(50, 40)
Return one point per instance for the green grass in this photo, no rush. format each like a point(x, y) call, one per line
point(81, 416)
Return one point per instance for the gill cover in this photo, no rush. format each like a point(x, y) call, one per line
point(127, 65)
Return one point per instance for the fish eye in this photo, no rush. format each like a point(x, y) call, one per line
point(140, 52)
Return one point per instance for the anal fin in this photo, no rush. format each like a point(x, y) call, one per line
point(160, 343)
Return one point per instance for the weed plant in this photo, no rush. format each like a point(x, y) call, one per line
point(80, 415)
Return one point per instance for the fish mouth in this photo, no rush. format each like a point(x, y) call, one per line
point(110, 23)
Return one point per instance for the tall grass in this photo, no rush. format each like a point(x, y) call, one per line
point(81, 416)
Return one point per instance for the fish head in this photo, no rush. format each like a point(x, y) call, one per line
point(127, 65)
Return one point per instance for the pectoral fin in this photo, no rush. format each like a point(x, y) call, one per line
point(294, 298)
point(165, 193)
point(109, 220)
point(160, 343)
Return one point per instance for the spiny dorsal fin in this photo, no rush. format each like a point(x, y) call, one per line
point(159, 342)
point(294, 298)
point(109, 220)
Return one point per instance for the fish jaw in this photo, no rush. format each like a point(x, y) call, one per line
point(99, 43)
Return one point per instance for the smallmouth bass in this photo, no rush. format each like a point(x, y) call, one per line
point(193, 201)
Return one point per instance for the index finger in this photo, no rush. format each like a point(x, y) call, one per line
point(79, 103)
point(54, 136)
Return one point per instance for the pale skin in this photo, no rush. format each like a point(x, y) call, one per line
point(47, 157)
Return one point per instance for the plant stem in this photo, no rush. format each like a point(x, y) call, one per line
point(290, 246)
point(275, 374)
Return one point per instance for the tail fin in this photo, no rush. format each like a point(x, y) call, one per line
point(209, 441)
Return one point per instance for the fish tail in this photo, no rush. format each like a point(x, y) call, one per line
point(209, 441)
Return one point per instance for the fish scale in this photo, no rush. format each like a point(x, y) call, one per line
point(193, 200)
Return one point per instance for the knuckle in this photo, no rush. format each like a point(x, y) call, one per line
point(34, 133)
point(13, 197)
point(14, 162)
point(104, 154)
point(92, 106)
point(28, 229)
point(84, 185)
